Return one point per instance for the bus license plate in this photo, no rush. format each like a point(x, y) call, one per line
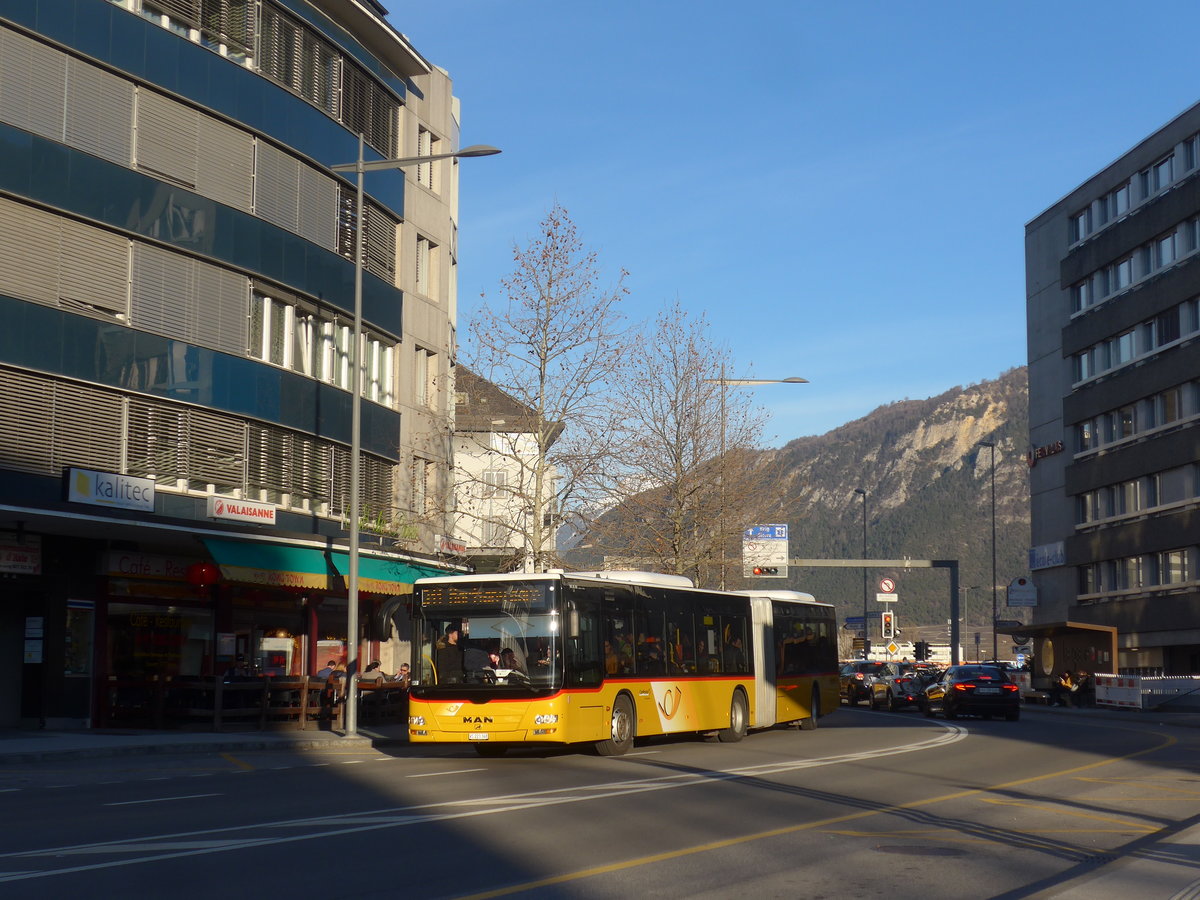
point(478, 736)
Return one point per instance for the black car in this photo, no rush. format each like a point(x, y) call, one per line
point(857, 678)
point(974, 689)
point(904, 686)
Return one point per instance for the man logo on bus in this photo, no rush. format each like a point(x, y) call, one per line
point(477, 720)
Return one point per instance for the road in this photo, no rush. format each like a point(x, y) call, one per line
point(869, 805)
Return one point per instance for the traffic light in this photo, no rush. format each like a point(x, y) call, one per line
point(888, 625)
point(921, 650)
point(764, 570)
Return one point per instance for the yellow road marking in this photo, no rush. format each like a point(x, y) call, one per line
point(808, 826)
point(235, 761)
point(1063, 809)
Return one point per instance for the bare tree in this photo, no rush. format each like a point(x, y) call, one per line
point(553, 346)
point(692, 475)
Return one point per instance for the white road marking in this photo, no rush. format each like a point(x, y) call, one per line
point(439, 774)
point(161, 799)
point(186, 844)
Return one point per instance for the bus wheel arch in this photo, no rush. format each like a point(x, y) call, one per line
point(810, 724)
point(739, 719)
point(622, 727)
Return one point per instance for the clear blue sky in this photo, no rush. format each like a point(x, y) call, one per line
point(843, 186)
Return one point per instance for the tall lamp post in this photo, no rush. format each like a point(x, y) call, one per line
point(359, 166)
point(991, 445)
point(866, 631)
point(724, 383)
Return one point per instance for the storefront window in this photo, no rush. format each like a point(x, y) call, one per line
point(145, 641)
point(77, 658)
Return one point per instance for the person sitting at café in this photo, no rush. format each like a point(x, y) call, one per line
point(373, 673)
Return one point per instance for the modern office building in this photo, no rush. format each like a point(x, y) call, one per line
point(1113, 306)
point(177, 286)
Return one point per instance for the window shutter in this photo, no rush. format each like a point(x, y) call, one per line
point(88, 426)
point(225, 164)
point(318, 207)
point(163, 288)
point(219, 309)
point(25, 441)
point(167, 137)
point(99, 117)
point(216, 449)
point(93, 270)
point(157, 440)
point(35, 234)
point(34, 77)
point(276, 186)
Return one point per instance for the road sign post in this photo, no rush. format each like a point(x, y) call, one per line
point(765, 551)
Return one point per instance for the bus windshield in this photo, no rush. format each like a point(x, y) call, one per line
point(490, 636)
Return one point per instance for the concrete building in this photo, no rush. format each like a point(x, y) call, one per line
point(1113, 306)
point(176, 299)
point(495, 455)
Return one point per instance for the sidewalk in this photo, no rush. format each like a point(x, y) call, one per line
point(20, 746)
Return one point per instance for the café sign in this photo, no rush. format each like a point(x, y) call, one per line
point(20, 554)
point(110, 489)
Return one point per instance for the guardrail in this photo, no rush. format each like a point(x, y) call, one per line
point(262, 703)
point(1146, 692)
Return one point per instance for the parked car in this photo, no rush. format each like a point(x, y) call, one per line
point(854, 685)
point(904, 686)
point(982, 690)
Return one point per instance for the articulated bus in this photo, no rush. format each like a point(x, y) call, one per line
point(574, 658)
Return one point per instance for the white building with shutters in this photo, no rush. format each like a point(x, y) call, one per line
point(177, 292)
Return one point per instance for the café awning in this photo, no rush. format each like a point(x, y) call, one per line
point(314, 568)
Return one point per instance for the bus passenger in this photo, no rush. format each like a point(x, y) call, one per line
point(612, 665)
point(449, 656)
point(508, 660)
point(735, 659)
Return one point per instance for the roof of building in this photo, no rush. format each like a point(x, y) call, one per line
point(481, 406)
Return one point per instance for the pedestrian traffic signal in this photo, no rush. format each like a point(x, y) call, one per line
point(888, 625)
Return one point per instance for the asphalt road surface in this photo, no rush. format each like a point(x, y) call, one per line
point(869, 805)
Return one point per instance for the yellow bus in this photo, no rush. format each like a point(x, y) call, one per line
point(600, 658)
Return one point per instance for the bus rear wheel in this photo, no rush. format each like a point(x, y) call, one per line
point(739, 720)
point(814, 710)
point(621, 729)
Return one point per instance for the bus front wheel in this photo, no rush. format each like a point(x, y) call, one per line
point(621, 729)
point(739, 717)
point(814, 712)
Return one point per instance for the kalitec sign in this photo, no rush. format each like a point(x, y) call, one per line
point(110, 489)
point(241, 511)
point(1037, 453)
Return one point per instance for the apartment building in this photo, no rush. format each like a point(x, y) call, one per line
point(1113, 308)
point(177, 286)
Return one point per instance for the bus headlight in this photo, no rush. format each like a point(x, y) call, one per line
point(416, 720)
point(546, 719)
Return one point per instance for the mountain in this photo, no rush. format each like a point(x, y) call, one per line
point(928, 485)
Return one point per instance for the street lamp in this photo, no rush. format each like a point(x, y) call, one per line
point(995, 611)
point(741, 382)
point(360, 166)
point(866, 631)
